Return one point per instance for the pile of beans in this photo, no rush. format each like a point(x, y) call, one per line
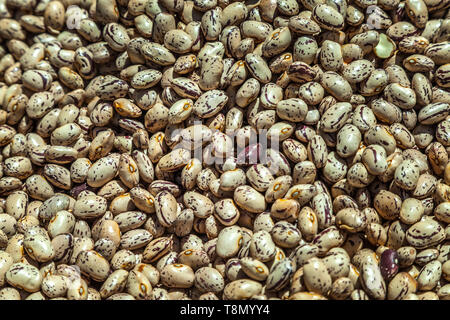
point(211, 149)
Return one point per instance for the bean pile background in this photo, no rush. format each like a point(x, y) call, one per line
point(217, 149)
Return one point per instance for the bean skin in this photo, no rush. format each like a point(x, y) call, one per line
point(222, 150)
